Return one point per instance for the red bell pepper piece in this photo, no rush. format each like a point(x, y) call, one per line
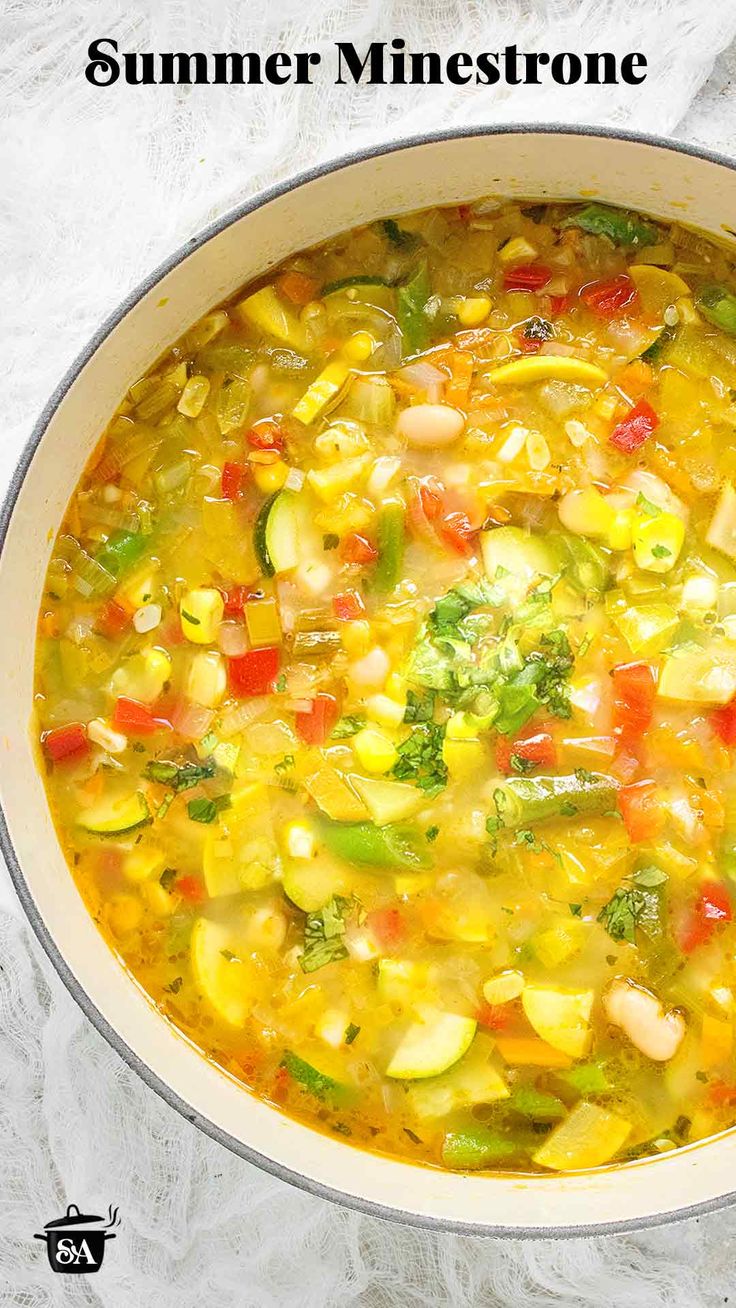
point(633, 430)
point(458, 532)
point(531, 752)
point(431, 497)
point(723, 721)
point(356, 549)
point(136, 719)
point(558, 304)
point(315, 726)
point(387, 925)
point(634, 691)
point(527, 277)
point(610, 297)
point(112, 619)
point(233, 480)
point(348, 606)
point(237, 596)
point(254, 672)
point(711, 908)
point(67, 742)
point(190, 888)
point(640, 809)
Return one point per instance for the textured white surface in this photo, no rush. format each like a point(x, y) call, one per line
point(98, 186)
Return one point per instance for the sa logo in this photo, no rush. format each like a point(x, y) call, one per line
point(75, 1243)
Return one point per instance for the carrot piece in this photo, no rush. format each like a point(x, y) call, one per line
point(457, 389)
point(297, 287)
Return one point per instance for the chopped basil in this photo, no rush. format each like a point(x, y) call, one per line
point(323, 935)
point(351, 1031)
point(206, 810)
point(420, 759)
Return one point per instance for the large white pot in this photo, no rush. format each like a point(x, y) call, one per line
point(655, 176)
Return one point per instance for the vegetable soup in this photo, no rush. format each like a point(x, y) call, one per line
point(386, 686)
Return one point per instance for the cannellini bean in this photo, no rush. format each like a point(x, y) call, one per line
point(642, 1017)
point(430, 426)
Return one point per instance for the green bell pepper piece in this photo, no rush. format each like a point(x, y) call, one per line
point(121, 551)
point(390, 535)
point(411, 311)
point(618, 225)
point(521, 801)
point(474, 1147)
point(718, 305)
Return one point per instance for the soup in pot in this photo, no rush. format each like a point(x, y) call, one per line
point(386, 686)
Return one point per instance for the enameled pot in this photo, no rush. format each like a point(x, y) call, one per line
point(655, 176)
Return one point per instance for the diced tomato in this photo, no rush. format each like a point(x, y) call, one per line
point(558, 304)
point(722, 1094)
point(315, 726)
point(526, 277)
point(533, 751)
point(190, 888)
point(254, 672)
point(493, 1016)
point(233, 479)
point(463, 212)
point(387, 925)
point(609, 298)
point(136, 719)
point(356, 549)
point(112, 619)
point(458, 532)
point(67, 742)
point(711, 908)
point(348, 606)
point(266, 435)
point(297, 287)
point(640, 808)
point(528, 345)
point(633, 430)
point(634, 691)
point(723, 721)
point(431, 495)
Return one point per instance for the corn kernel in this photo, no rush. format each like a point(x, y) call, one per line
point(620, 532)
point(517, 250)
point(459, 727)
point(503, 987)
point(384, 710)
point(473, 310)
point(356, 637)
point(657, 542)
point(201, 614)
point(586, 512)
point(270, 477)
point(299, 840)
point(194, 397)
point(396, 687)
point(359, 347)
point(142, 864)
point(375, 752)
point(206, 681)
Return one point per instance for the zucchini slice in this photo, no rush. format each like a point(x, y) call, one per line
point(311, 885)
point(276, 533)
point(514, 559)
point(115, 817)
point(431, 1046)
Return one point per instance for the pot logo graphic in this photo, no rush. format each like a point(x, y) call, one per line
point(75, 1243)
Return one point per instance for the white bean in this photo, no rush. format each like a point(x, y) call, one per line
point(641, 1016)
point(430, 426)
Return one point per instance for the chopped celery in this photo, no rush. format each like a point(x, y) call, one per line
point(412, 301)
point(618, 225)
point(232, 405)
point(121, 551)
point(586, 565)
point(91, 578)
point(370, 399)
point(718, 305)
point(542, 1107)
point(475, 1147)
point(585, 1078)
point(234, 360)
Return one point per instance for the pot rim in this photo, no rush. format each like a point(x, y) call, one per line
point(21, 886)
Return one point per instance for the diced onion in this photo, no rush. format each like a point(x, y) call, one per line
point(232, 639)
point(147, 618)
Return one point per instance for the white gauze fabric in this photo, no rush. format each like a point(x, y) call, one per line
point(98, 186)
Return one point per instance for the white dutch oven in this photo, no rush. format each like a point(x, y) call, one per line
point(637, 172)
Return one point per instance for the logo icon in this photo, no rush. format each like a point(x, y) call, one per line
point(75, 1243)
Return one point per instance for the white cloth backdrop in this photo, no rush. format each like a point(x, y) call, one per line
point(96, 187)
